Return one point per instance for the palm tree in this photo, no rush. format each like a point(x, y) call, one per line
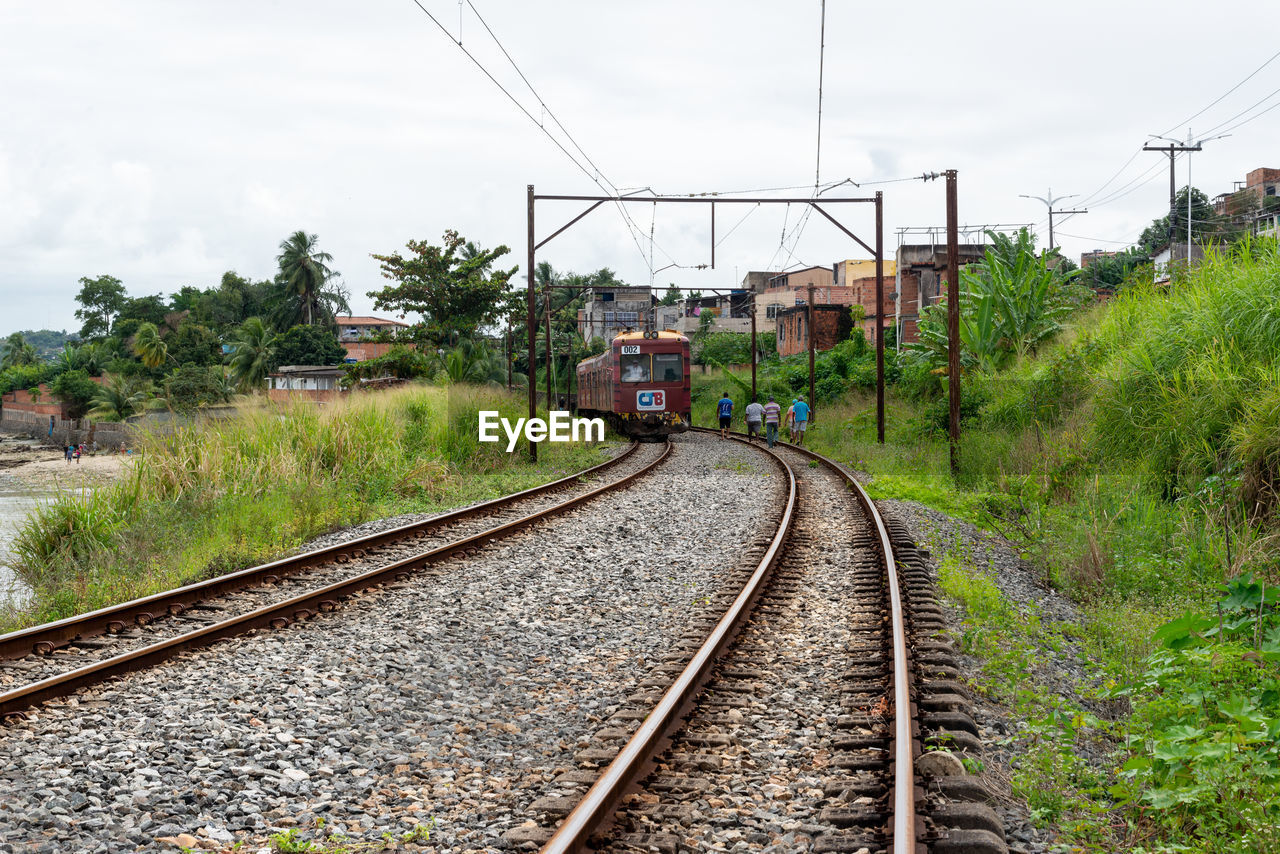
point(471, 362)
point(119, 397)
point(251, 352)
point(18, 352)
point(304, 270)
point(148, 347)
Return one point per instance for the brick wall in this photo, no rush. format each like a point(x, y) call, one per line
point(832, 324)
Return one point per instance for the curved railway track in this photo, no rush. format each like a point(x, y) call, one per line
point(680, 763)
point(57, 659)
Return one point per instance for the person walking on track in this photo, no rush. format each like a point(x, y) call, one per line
point(802, 419)
point(772, 411)
point(755, 415)
point(791, 421)
point(725, 410)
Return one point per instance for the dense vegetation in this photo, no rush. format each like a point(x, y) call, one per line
point(212, 497)
point(1134, 455)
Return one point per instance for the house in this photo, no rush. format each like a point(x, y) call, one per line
point(855, 284)
point(1165, 257)
point(611, 310)
point(786, 290)
point(832, 324)
point(920, 281)
point(305, 382)
point(356, 335)
point(45, 415)
point(1088, 259)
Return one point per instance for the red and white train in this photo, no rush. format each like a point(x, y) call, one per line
point(640, 384)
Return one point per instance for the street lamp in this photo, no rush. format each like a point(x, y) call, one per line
point(1188, 146)
point(1050, 200)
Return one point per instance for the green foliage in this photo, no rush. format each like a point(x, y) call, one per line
point(308, 345)
point(120, 397)
point(149, 309)
point(399, 362)
point(149, 347)
point(195, 344)
point(46, 341)
point(1190, 384)
point(306, 293)
point(24, 376)
point(192, 386)
point(253, 347)
point(100, 301)
point(1011, 303)
point(1204, 755)
point(455, 294)
point(722, 348)
point(17, 352)
point(76, 390)
point(209, 497)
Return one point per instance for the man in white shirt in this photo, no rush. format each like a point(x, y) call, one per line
point(755, 417)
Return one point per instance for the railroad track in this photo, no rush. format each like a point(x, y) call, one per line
point(802, 734)
point(56, 659)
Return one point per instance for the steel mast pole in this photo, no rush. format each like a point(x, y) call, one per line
point(810, 401)
point(533, 332)
point(953, 323)
point(879, 322)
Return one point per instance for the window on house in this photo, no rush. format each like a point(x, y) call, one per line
point(610, 316)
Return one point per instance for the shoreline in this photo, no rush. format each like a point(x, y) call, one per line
point(44, 469)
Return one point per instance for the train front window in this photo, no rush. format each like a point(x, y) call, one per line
point(635, 368)
point(667, 368)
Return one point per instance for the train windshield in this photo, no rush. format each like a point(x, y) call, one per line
point(667, 368)
point(635, 368)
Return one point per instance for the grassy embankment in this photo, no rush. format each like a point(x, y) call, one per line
point(1136, 461)
point(217, 496)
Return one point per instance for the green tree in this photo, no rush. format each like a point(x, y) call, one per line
point(194, 343)
point(1206, 225)
point(308, 345)
point(305, 273)
point(1011, 302)
point(455, 294)
point(119, 397)
point(100, 301)
point(76, 390)
point(149, 347)
point(148, 309)
point(672, 296)
point(472, 362)
point(17, 352)
point(189, 387)
point(252, 350)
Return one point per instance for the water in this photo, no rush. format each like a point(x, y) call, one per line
point(16, 501)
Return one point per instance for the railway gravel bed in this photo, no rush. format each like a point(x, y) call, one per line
point(35, 667)
point(1061, 671)
point(757, 767)
point(454, 697)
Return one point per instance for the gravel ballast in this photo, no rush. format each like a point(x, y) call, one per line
point(452, 697)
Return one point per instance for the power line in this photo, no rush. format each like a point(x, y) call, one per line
point(822, 51)
point(1224, 94)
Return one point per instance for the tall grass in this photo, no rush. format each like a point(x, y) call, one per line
point(212, 497)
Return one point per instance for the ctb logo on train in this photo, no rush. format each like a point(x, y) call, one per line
point(647, 401)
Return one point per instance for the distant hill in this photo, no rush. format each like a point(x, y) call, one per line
point(47, 342)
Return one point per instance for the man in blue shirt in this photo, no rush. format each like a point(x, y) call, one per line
point(725, 410)
point(802, 419)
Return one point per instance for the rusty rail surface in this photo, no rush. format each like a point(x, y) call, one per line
point(281, 614)
point(49, 636)
point(905, 828)
point(600, 801)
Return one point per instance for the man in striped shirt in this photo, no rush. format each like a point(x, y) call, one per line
point(772, 412)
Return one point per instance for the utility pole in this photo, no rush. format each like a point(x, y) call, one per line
point(1174, 148)
point(953, 323)
point(753, 346)
point(548, 342)
point(809, 324)
point(879, 322)
point(1050, 200)
point(533, 333)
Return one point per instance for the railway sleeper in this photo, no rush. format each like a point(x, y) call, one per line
point(968, 816)
point(968, 842)
point(662, 843)
point(840, 843)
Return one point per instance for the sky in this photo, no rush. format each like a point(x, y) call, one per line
point(165, 143)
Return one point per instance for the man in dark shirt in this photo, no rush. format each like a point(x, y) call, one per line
point(725, 410)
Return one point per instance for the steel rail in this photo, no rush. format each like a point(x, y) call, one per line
point(47, 637)
point(281, 614)
point(598, 804)
point(904, 826)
